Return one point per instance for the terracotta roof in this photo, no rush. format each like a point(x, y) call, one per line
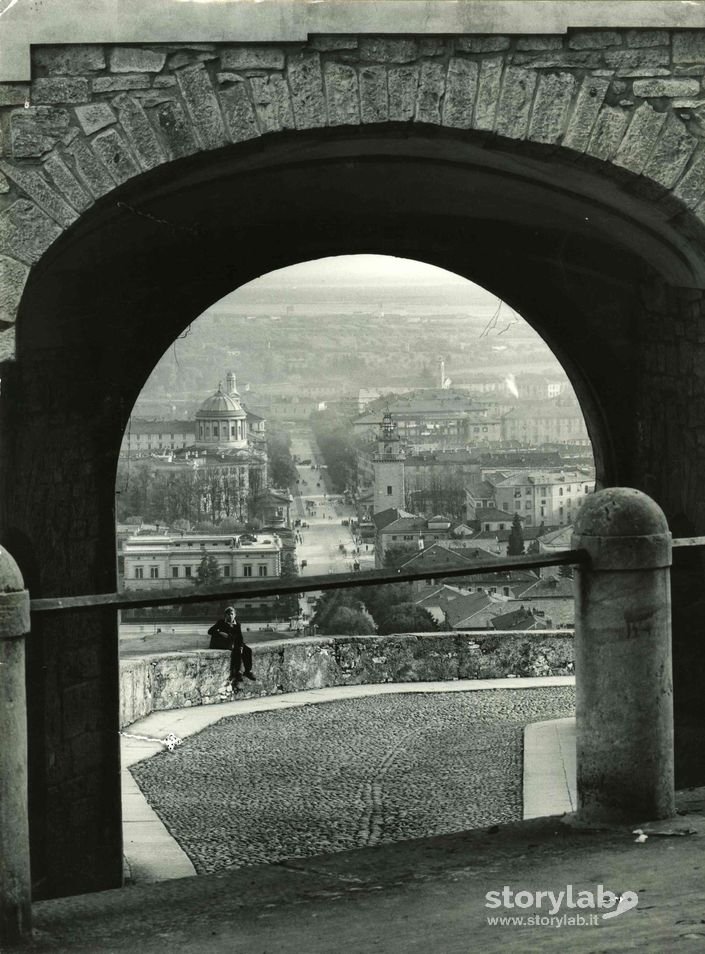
point(464, 607)
point(517, 619)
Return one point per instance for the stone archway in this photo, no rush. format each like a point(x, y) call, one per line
point(145, 182)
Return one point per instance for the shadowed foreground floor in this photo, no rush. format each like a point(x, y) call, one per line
point(418, 896)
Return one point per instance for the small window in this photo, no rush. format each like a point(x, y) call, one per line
point(175, 571)
point(262, 570)
point(154, 572)
point(139, 572)
point(527, 505)
point(247, 569)
point(226, 571)
point(389, 490)
point(187, 571)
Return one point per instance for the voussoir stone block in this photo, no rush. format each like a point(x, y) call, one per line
point(36, 130)
point(272, 102)
point(33, 184)
point(95, 116)
point(489, 85)
point(202, 105)
point(134, 59)
point(342, 94)
point(176, 129)
point(7, 344)
point(671, 154)
point(66, 182)
point(402, 83)
point(374, 94)
point(306, 85)
point(252, 58)
point(432, 79)
point(13, 275)
point(140, 132)
point(551, 107)
point(461, 92)
point(515, 102)
point(26, 232)
point(585, 112)
point(69, 60)
point(640, 139)
point(60, 89)
point(90, 168)
point(691, 188)
point(239, 113)
point(110, 147)
point(607, 132)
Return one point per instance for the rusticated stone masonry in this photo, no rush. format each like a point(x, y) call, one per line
point(94, 117)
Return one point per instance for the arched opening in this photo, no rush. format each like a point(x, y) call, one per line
point(586, 257)
point(308, 360)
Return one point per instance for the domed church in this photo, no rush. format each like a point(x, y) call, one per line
point(221, 421)
point(230, 441)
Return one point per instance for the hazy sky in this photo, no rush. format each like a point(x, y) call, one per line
point(362, 269)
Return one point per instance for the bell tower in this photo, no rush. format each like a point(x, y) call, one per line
point(388, 462)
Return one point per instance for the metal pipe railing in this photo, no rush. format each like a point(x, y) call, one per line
point(301, 584)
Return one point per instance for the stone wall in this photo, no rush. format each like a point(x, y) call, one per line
point(95, 116)
point(176, 680)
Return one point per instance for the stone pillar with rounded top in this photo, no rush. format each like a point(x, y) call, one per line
point(624, 686)
point(15, 883)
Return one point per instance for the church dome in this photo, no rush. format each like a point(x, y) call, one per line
point(220, 405)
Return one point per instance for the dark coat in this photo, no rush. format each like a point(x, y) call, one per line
point(225, 635)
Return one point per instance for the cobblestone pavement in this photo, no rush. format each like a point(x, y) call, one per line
point(266, 786)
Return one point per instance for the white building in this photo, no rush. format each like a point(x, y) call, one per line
point(158, 562)
point(550, 498)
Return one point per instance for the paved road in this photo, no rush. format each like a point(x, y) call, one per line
point(323, 510)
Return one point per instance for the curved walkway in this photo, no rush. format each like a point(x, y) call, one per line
point(152, 854)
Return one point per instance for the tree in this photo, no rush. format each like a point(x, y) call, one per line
point(379, 599)
point(208, 572)
point(347, 621)
point(288, 604)
point(398, 554)
point(533, 547)
point(406, 618)
point(516, 538)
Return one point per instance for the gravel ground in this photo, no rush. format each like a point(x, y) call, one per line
point(266, 786)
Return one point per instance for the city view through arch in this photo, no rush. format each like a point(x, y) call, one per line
point(345, 414)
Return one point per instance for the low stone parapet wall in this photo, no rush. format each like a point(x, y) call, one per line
point(179, 679)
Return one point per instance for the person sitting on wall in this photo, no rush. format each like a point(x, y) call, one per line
point(227, 634)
